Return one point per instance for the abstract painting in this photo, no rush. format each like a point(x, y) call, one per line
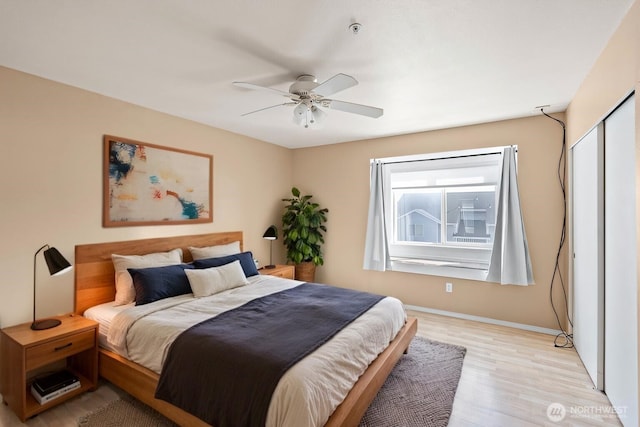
point(147, 184)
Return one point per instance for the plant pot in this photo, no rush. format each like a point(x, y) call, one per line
point(306, 271)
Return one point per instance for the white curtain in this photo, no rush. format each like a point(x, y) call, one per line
point(510, 263)
point(376, 248)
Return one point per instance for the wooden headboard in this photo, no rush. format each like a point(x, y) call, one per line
point(94, 273)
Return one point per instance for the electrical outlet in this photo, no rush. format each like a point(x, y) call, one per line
point(448, 287)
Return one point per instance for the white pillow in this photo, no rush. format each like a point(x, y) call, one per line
point(209, 281)
point(125, 292)
point(215, 251)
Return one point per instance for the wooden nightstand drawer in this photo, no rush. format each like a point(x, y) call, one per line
point(284, 271)
point(45, 353)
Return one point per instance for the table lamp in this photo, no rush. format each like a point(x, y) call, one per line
point(57, 264)
point(271, 234)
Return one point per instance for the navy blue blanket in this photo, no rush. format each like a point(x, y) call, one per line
point(225, 369)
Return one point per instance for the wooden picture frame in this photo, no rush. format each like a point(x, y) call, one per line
point(148, 184)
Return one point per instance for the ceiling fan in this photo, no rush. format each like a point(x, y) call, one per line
point(309, 98)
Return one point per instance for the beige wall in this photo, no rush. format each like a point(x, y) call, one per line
point(51, 174)
point(338, 177)
point(614, 75)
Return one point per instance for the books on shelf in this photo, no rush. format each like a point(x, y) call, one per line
point(54, 385)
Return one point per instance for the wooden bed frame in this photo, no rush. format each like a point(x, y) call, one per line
point(94, 284)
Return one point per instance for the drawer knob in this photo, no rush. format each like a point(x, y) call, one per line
point(63, 346)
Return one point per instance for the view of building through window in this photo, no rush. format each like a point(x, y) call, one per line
point(469, 214)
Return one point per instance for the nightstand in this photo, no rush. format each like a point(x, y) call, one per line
point(26, 354)
point(284, 271)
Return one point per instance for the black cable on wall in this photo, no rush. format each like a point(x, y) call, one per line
point(563, 339)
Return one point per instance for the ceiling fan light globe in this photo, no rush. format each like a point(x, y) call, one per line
point(302, 115)
point(298, 120)
point(300, 110)
point(317, 115)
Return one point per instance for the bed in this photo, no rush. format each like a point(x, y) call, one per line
point(94, 285)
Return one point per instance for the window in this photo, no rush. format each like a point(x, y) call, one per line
point(440, 211)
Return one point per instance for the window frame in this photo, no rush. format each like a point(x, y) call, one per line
point(469, 261)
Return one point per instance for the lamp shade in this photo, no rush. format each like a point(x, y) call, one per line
point(271, 233)
point(56, 262)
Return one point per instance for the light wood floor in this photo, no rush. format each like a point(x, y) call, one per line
point(509, 378)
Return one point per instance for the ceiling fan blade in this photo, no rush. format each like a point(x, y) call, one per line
point(267, 108)
point(256, 87)
point(363, 110)
point(335, 84)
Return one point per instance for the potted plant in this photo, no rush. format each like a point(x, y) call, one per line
point(302, 228)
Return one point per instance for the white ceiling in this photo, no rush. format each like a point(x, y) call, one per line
point(429, 63)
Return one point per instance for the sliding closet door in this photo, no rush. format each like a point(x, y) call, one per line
point(588, 274)
point(621, 281)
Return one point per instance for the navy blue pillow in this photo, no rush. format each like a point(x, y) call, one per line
point(245, 258)
point(155, 283)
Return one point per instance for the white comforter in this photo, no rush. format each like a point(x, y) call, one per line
point(310, 391)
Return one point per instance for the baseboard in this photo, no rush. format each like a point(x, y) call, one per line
point(531, 328)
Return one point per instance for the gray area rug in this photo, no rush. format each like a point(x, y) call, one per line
point(418, 393)
point(126, 411)
point(420, 390)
